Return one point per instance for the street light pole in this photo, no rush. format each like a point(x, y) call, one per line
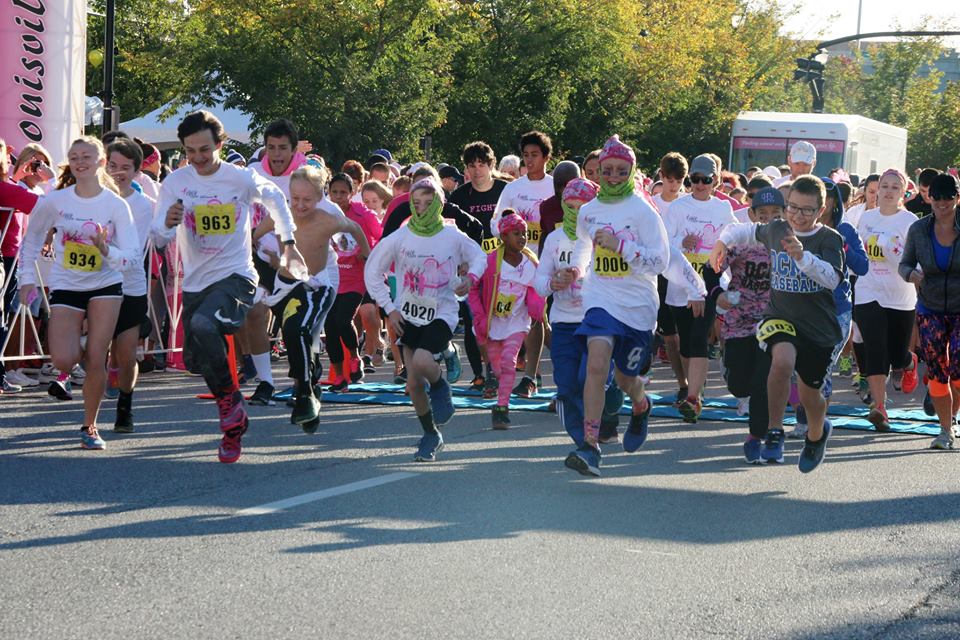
point(111, 114)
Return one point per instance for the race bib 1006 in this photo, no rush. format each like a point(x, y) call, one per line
point(81, 257)
point(419, 310)
point(773, 326)
point(503, 307)
point(215, 219)
point(609, 264)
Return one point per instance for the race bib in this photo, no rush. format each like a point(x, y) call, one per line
point(873, 249)
point(81, 257)
point(698, 261)
point(773, 326)
point(489, 245)
point(419, 310)
point(533, 232)
point(215, 219)
point(609, 264)
point(504, 305)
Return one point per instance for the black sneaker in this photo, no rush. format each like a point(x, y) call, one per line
point(401, 378)
point(263, 395)
point(490, 387)
point(60, 390)
point(340, 386)
point(500, 418)
point(527, 388)
point(477, 383)
point(368, 364)
point(813, 452)
point(305, 409)
point(124, 421)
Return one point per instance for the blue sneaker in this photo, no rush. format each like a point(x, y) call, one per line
point(441, 402)
point(451, 358)
point(773, 446)
point(636, 433)
point(751, 450)
point(585, 461)
point(813, 452)
point(90, 439)
point(429, 446)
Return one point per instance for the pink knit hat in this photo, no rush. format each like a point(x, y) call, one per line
point(511, 221)
point(581, 189)
point(616, 149)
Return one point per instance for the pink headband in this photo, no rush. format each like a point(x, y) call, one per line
point(581, 189)
point(153, 157)
point(895, 172)
point(616, 149)
point(510, 222)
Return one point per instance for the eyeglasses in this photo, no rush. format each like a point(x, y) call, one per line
point(807, 212)
point(701, 179)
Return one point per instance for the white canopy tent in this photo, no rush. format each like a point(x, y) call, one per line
point(163, 132)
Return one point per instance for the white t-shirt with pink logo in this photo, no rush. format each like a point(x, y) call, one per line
point(510, 313)
point(884, 238)
point(524, 196)
point(704, 219)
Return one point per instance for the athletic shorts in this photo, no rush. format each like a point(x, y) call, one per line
point(80, 299)
point(813, 361)
point(631, 347)
point(433, 337)
point(666, 326)
point(133, 312)
point(266, 273)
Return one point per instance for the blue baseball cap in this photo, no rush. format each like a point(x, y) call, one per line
point(768, 196)
point(383, 152)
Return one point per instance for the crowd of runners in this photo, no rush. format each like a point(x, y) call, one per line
point(792, 277)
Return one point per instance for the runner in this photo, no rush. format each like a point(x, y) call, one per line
point(799, 329)
point(96, 241)
point(207, 205)
point(427, 254)
point(124, 158)
point(800, 161)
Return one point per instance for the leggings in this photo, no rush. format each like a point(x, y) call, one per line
point(339, 325)
point(694, 332)
point(503, 360)
point(747, 367)
point(470, 340)
point(886, 337)
point(940, 345)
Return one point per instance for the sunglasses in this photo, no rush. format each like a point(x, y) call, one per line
point(941, 196)
point(701, 179)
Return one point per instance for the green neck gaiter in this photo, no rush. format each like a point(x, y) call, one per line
point(609, 194)
point(569, 220)
point(430, 222)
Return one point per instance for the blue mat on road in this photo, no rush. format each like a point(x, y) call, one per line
point(715, 409)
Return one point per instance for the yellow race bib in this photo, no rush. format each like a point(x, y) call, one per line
point(81, 257)
point(215, 219)
point(533, 232)
point(873, 249)
point(503, 307)
point(698, 261)
point(773, 326)
point(489, 245)
point(609, 264)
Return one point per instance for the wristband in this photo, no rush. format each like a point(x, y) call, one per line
point(289, 243)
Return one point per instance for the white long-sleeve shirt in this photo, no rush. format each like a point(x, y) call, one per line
point(79, 265)
point(215, 236)
point(623, 282)
point(142, 208)
point(426, 269)
point(524, 196)
point(704, 219)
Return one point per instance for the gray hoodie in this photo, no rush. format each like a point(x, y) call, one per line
point(940, 290)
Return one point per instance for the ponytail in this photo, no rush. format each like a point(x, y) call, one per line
point(66, 177)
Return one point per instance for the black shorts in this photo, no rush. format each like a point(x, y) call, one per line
point(224, 303)
point(813, 361)
point(694, 332)
point(133, 312)
point(665, 323)
point(80, 299)
point(266, 273)
point(433, 337)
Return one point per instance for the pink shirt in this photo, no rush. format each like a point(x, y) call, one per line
point(348, 251)
point(22, 201)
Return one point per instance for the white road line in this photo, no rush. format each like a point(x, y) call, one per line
point(314, 496)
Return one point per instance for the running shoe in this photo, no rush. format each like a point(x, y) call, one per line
point(896, 380)
point(90, 439)
point(60, 389)
point(662, 354)
point(356, 371)
point(377, 360)
point(78, 375)
point(451, 358)
point(863, 390)
point(878, 418)
point(928, 407)
point(477, 383)
point(773, 446)
point(743, 406)
point(305, 409)
point(8, 387)
point(943, 442)
point(813, 452)
point(585, 461)
point(263, 395)
point(19, 378)
point(690, 410)
point(526, 388)
point(441, 402)
point(233, 424)
point(500, 418)
point(636, 433)
point(429, 446)
point(910, 377)
point(609, 434)
point(752, 448)
point(48, 373)
point(799, 432)
point(490, 387)
point(714, 352)
point(401, 376)
point(845, 366)
point(340, 386)
point(368, 364)
point(682, 394)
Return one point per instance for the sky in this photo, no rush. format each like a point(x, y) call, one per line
point(878, 15)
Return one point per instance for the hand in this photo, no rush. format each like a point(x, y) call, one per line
point(304, 146)
point(696, 306)
point(100, 240)
point(792, 245)
point(463, 288)
point(273, 259)
point(27, 294)
point(607, 240)
point(562, 279)
point(396, 321)
point(690, 242)
point(718, 256)
point(723, 302)
point(294, 262)
point(44, 172)
point(916, 277)
point(174, 214)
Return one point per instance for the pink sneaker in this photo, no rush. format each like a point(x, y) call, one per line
point(233, 424)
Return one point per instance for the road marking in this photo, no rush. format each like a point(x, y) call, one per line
point(314, 496)
point(656, 553)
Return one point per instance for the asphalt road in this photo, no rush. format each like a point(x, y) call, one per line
point(155, 539)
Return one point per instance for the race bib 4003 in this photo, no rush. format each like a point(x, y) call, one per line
point(81, 257)
point(773, 326)
point(609, 264)
point(215, 219)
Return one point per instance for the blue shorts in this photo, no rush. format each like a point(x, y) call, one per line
point(631, 347)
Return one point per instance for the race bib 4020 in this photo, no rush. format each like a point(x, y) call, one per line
point(418, 309)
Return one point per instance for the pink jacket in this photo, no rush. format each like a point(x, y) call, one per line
point(483, 291)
